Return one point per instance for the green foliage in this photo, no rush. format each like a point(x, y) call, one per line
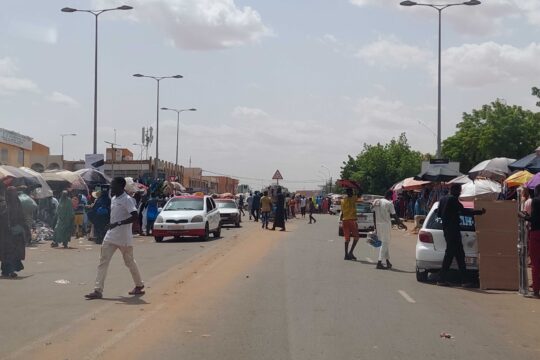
point(495, 130)
point(378, 167)
point(536, 92)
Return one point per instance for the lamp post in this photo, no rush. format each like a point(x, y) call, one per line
point(140, 158)
point(440, 9)
point(113, 155)
point(178, 111)
point(96, 14)
point(63, 136)
point(329, 176)
point(158, 80)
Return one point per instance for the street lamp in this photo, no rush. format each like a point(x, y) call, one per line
point(329, 176)
point(96, 14)
point(140, 158)
point(63, 136)
point(178, 111)
point(158, 80)
point(440, 9)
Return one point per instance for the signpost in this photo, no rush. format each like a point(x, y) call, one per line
point(277, 176)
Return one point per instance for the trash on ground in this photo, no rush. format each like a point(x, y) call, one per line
point(445, 335)
point(62, 282)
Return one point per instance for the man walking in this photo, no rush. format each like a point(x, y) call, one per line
point(249, 201)
point(119, 237)
point(303, 203)
point(350, 225)
point(450, 210)
point(266, 208)
point(256, 206)
point(311, 209)
point(279, 215)
point(384, 212)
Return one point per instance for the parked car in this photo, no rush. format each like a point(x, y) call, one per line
point(228, 211)
point(365, 221)
point(335, 206)
point(431, 245)
point(188, 216)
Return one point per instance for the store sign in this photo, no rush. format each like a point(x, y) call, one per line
point(15, 139)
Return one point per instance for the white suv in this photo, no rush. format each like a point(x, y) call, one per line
point(188, 216)
point(431, 245)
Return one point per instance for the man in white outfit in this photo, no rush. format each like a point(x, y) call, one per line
point(119, 237)
point(384, 212)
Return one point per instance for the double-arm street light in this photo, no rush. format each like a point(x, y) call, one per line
point(63, 136)
point(96, 14)
point(158, 80)
point(178, 111)
point(440, 9)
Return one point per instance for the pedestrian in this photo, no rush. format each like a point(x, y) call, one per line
point(534, 239)
point(349, 219)
point(241, 204)
point(279, 216)
point(30, 208)
point(384, 212)
point(292, 206)
point(266, 208)
point(64, 222)
point(79, 204)
point(256, 206)
point(151, 213)
point(119, 237)
point(303, 203)
point(13, 228)
point(249, 201)
point(450, 210)
point(99, 214)
point(311, 209)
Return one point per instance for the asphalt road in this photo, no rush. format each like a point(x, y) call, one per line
point(257, 294)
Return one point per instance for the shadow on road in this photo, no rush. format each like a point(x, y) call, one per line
point(131, 300)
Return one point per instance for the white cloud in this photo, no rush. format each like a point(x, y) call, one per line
point(201, 24)
point(10, 82)
point(242, 112)
point(44, 34)
point(391, 52)
point(476, 65)
point(58, 97)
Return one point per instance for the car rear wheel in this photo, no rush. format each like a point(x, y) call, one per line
point(158, 238)
point(217, 233)
point(206, 235)
point(340, 232)
point(422, 275)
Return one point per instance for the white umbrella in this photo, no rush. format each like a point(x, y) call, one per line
point(463, 179)
point(496, 169)
point(41, 192)
point(484, 189)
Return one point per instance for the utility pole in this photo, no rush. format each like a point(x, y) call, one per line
point(113, 155)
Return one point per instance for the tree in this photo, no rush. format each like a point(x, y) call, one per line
point(495, 130)
point(536, 92)
point(378, 167)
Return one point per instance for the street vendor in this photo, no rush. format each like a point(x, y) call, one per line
point(534, 239)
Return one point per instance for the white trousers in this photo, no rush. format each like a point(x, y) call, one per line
point(384, 233)
point(107, 252)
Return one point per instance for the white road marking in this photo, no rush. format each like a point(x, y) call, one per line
point(369, 259)
point(407, 296)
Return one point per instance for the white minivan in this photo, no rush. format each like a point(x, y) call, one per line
point(431, 245)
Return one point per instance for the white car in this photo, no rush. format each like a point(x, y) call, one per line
point(229, 213)
point(188, 216)
point(431, 245)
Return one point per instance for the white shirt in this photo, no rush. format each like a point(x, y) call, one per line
point(121, 208)
point(384, 210)
point(303, 202)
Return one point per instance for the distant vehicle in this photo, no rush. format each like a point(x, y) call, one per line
point(431, 245)
point(370, 197)
point(229, 213)
point(335, 206)
point(365, 221)
point(188, 216)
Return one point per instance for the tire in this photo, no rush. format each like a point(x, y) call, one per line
point(340, 232)
point(158, 238)
point(206, 235)
point(421, 276)
point(217, 233)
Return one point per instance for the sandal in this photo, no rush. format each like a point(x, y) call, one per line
point(138, 290)
point(94, 295)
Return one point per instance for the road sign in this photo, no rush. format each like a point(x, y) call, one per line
point(277, 176)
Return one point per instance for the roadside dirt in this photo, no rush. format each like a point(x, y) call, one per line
point(128, 325)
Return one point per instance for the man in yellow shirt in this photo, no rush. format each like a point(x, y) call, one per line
point(349, 218)
point(266, 208)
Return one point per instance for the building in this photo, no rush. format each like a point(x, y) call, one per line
point(225, 184)
point(120, 154)
point(20, 150)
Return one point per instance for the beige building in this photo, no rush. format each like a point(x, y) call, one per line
point(20, 150)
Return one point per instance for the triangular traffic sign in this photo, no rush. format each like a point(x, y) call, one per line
point(277, 176)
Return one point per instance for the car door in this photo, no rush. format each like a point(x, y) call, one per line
point(212, 212)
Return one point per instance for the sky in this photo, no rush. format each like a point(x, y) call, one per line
point(291, 85)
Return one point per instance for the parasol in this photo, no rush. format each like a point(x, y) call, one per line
point(463, 179)
point(44, 190)
point(19, 177)
point(93, 178)
point(530, 162)
point(519, 178)
point(534, 181)
point(438, 173)
point(60, 180)
point(495, 169)
point(484, 189)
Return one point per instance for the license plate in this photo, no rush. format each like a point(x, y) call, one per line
point(179, 227)
point(470, 260)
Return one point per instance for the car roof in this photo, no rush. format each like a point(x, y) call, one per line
point(188, 197)
point(466, 204)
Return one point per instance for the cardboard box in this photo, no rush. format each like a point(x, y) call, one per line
point(495, 242)
point(498, 272)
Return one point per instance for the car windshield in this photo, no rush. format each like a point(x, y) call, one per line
point(363, 208)
point(466, 222)
point(226, 204)
point(184, 204)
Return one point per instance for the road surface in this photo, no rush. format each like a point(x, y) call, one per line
point(257, 294)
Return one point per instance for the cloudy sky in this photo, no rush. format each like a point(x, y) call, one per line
point(288, 85)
